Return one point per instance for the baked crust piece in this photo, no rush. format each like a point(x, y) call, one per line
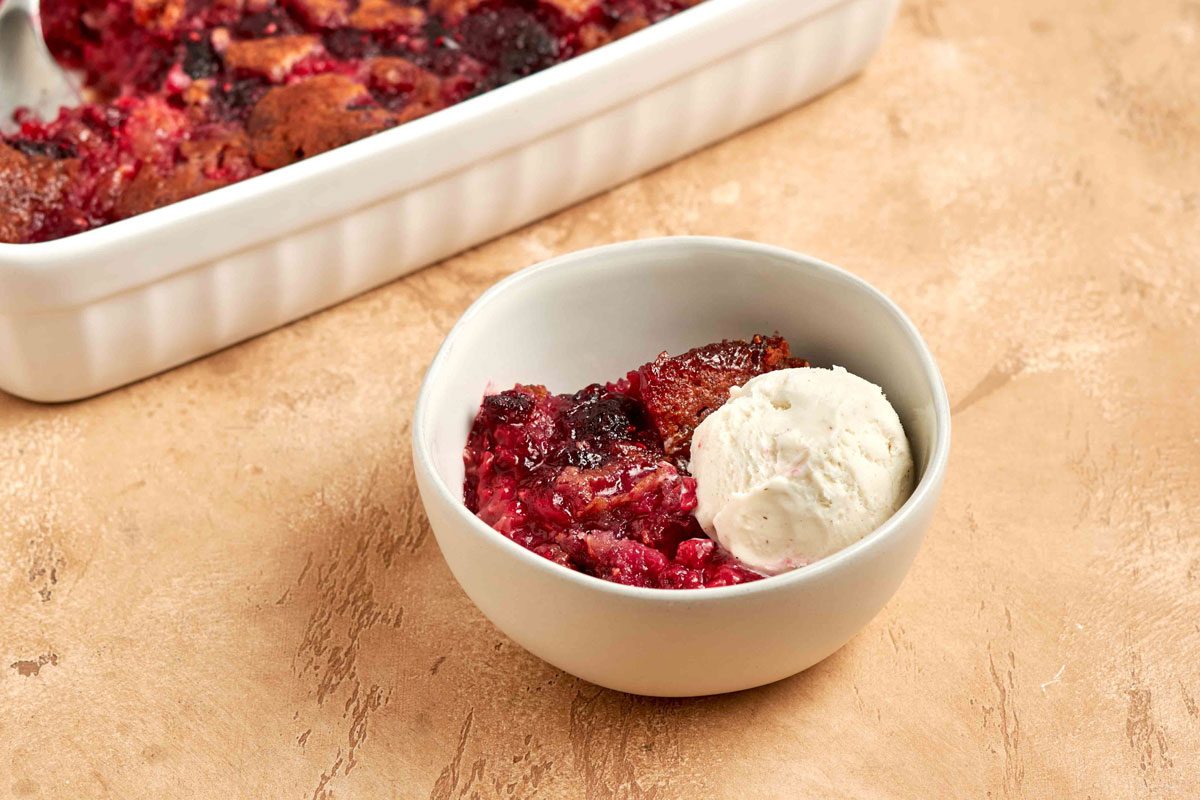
point(383, 15)
point(574, 8)
point(30, 189)
point(204, 165)
point(680, 391)
point(294, 122)
point(321, 13)
point(272, 58)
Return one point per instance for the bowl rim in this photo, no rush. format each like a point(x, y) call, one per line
point(924, 493)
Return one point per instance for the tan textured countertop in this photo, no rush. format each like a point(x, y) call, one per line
point(220, 583)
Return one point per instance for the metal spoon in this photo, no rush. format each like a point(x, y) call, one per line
point(29, 76)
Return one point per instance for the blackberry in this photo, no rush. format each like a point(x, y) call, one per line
point(512, 41)
point(508, 408)
point(47, 149)
point(200, 60)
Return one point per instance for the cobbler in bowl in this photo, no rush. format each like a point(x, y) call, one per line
point(597, 481)
point(592, 316)
point(192, 95)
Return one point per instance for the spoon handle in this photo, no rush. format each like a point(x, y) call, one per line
point(29, 76)
point(31, 8)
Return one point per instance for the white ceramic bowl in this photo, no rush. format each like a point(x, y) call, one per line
point(593, 315)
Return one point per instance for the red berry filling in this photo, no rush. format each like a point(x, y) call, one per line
point(588, 481)
point(191, 95)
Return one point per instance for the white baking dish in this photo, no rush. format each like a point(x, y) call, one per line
point(102, 308)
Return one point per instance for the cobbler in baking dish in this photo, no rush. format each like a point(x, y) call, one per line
point(191, 95)
point(598, 481)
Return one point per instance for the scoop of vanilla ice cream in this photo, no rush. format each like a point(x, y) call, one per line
point(798, 464)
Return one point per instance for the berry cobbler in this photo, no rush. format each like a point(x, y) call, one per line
point(598, 480)
point(191, 95)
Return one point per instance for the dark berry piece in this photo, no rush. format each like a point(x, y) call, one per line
point(508, 408)
point(510, 40)
point(350, 44)
point(46, 149)
point(200, 60)
point(235, 98)
point(266, 23)
point(600, 414)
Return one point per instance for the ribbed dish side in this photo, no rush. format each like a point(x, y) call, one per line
point(77, 352)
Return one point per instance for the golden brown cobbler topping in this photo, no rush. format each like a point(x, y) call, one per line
point(159, 15)
point(454, 10)
point(321, 13)
point(206, 164)
point(420, 88)
point(294, 122)
point(271, 58)
point(30, 187)
point(593, 36)
point(379, 15)
point(573, 8)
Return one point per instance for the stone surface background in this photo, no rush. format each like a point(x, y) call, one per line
point(220, 583)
